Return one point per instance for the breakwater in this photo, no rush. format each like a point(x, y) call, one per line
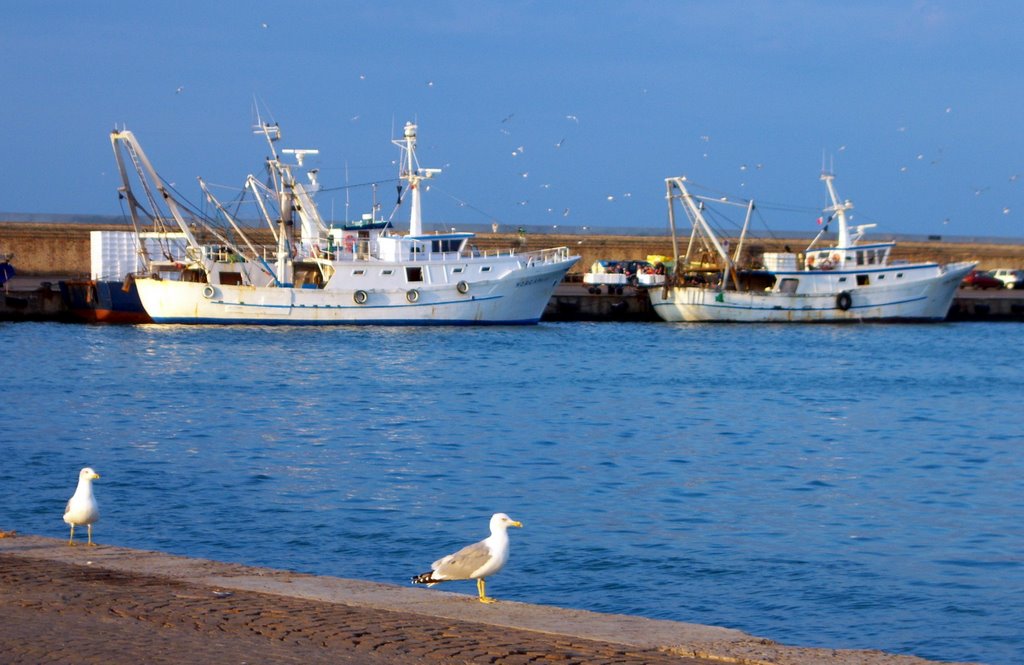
point(63, 249)
point(119, 605)
point(31, 299)
point(46, 252)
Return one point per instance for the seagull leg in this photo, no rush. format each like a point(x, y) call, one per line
point(90, 536)
point(481, 586)
point(71, 541)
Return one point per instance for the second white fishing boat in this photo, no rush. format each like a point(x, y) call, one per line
point(846, 282)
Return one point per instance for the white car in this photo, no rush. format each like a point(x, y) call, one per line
point(1013, 279)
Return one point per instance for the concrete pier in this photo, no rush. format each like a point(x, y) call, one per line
point(991, 305)
point(49, 252)
point(572, 301)
point(29, 299)
point(64, 248)
point(115, 605)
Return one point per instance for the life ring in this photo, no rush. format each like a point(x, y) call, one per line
point(836, 258)
point(209, 291)
point(462, 286)
point(360, 297)
point(810, 261)
point(844, 301)
point(412, 295)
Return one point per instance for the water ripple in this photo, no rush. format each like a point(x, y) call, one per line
point(840, 486)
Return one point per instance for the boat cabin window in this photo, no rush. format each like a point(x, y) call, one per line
point(842, 279)
point(387, 272)
point(485, 269)
point(860, 257)
point(359, 272)
point(899, 275)
point(457, 270)
point(788, 285)
point(442, 245)
point(231, 278)
point(863, 280)
point(881, 277)
point(222, 254)
point(413, 274)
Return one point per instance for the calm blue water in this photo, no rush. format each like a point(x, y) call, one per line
point(857, 486)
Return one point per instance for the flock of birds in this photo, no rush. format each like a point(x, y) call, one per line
point(473, 562)
point(705, 139)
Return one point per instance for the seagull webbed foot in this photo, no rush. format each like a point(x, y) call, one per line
point(481, 587)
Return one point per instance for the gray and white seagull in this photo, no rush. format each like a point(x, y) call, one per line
point(474, 562)
point(82, 507)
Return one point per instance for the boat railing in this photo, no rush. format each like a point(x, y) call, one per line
point(436, 256)
point(339, 253)
point(545, 256)
point(218, 254)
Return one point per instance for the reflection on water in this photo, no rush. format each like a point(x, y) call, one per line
point(844, 486)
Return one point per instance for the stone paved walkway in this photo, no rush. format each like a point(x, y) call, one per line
point(115, 605)
point(56, 612)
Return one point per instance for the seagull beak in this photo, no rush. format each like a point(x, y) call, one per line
point(95, 475)
point(518, 524)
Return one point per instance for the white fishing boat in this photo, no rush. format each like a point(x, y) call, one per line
point(849, 281)
point(356, 273)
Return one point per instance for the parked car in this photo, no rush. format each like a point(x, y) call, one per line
point(1012, 279)
point(979, 279)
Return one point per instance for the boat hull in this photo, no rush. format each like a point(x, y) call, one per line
point(103, 301)
point(925, 298)
point(516, 298)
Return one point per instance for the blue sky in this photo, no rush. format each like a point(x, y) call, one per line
point(539, 113)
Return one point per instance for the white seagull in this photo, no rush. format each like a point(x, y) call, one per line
point(474, 562)
point(82, 507)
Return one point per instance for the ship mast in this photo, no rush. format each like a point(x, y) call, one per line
point(838, 210)
point(702, 228)
point(281, 179)
point(411, 172)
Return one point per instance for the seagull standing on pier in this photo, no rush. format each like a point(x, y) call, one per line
point(82, 507)
point(474, 562)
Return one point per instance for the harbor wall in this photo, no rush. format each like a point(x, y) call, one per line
point(110, 604)
point(47, 252)
point(63, 248)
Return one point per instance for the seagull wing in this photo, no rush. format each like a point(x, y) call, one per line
point(462, 564)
